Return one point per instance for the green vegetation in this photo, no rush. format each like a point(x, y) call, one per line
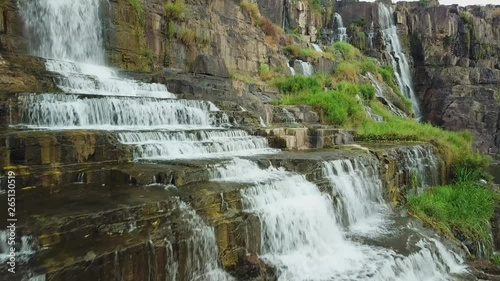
point(296, 51)
point(174, 11)
point(252, 9)
point(136, 4)
point(187, 37)
point(264, 72)
point(349, 52)
point(346, 71)
point(466, 17)
point(461, 209)
point(496, 259)
point(387, 74)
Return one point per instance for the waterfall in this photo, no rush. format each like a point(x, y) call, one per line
point(194, 145)
point(302, 237)
point(379, 93)
point(371, 35)
point(304, 68)
point(262, 123)
point(201, 249)
point(75, 48)
point(54, 36)
point(399, 62)
point(52, 111)
point(292, 70)
point(316, 47)
point(360, 204)
point(25, 247)
point(341, 35)
point(420, 166)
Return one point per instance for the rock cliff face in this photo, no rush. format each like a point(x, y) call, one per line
point(457, 67)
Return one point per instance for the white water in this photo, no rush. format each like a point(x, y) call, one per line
point(420, 166)
point(201, 249)
point(316, 47)
point(292, 70)
point(341, 35)
point(360, 205)
point(371, 35)
point(379, 93)
point(399, 62)
point(58, 111)
point(303, 67)
point(302, 237)
point(25, 247)
point(74, 48)
point(157, 145)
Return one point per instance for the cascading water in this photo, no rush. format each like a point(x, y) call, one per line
point(420, 166)
point(400, 64)
point(302, 237)
point(194, 145)
point(292, 70)
point(316, 47)
point(371, 35)
point(201, 249)
point(341, 35)
point(360, 205)
point(302, 234)
point(303, 67)
point(379, 93)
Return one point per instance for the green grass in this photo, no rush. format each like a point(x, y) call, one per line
point(464, 208)
point(349, 52)
point(174, 11)
point(136, 4)
point(495, 259)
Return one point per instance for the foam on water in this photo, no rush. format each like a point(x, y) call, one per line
point(52, 111)
point(194, 145)
point(300, 233)
point(360, 205)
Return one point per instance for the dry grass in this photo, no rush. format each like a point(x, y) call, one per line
point(253, 10)
point(187, 37)
point(346, 72)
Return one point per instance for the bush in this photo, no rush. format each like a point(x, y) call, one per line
point(296, 84)
point(466, 17)
point(339, 108)
point(346, 71)
point(367, 91)
point(264, 72)
point(187, 37)
point(348, 51)
point(269, 28)
point(464, 209)
point(174, 11)
point(253, 10)
point(367, 65)
point(292, 50)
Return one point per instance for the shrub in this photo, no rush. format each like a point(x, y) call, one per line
point(269, 28)
point(367, 65)
point(174, 11)
point(292, 50)
point(466, 17)
point(264, 72)
point(296, 84)
point(187, 37)
point(348, 51)
point(346, 71)
point(339, 108)
point(253, 10)
point(367, 91)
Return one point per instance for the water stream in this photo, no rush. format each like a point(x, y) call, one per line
point(306, 234)
point(399, 61)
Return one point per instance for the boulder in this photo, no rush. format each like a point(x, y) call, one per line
point(210, 65)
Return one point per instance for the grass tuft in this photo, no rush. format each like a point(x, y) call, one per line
point(174, 11)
